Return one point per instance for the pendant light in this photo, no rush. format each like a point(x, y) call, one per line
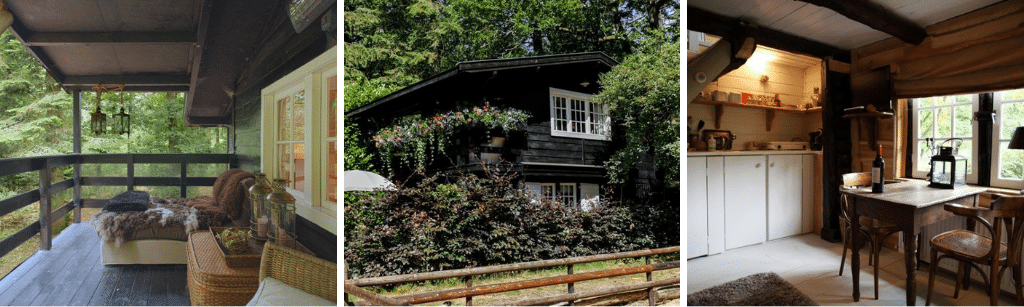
point(122, 121)
point(98, 123)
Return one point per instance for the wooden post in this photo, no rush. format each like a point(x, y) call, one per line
point(469, 284)
point(76, 97)
point(131, 172)
point(184, 177)
point(44, 206)
point(652, 295)
point(572, 286)
point(647, 260)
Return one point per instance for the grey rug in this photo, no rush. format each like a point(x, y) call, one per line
point(763, 289)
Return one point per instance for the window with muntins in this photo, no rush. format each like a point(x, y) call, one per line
point(1007, 163)
point(299, 137)
point(943, 118)
point(574, 114)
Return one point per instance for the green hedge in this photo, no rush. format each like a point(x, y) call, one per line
point(473, 221)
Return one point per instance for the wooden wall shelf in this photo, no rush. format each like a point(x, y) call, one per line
point(769, 111)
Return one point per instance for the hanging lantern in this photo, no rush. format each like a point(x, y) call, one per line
point(122, 121)
point(259, 219)
point(948, 169)
point(98, 123)
point(282, 215)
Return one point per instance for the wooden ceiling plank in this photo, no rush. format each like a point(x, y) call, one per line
point(876, 17)
point(75, 38)
point(165, 80)
point(712, 23)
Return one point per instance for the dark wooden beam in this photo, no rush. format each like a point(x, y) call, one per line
point(77, 38)
point(162, 80)
point(707, 22)
point(876, 17)
point(19, 31)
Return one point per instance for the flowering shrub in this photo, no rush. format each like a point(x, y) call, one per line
point(474, 221)
point(419, 138)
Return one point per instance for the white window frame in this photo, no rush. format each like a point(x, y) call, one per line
point(996, 180)
point(311, 204)
point(972, 177)
point(567, 194)
point(588, 104)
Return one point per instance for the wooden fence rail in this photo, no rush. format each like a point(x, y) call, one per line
point(352, 286)
point(44, 165)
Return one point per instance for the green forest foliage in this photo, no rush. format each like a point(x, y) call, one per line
point(392, 44)
point(36, 119)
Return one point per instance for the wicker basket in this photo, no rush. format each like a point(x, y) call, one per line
point(210, 280)
point(250, 259)
point(304, 272)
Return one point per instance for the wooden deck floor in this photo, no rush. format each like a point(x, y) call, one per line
point(72, 273)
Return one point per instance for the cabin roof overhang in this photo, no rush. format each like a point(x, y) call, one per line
point(476, 74)
point(195, 46)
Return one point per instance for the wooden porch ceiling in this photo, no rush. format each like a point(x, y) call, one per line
point(194, 46)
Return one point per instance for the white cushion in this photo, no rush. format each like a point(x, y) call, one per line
point(273, 292)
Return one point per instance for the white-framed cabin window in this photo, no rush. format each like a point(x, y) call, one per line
point(565, 193)
point(1007, 163)
point(299, 137)
point(575, 114)
point(942, 118)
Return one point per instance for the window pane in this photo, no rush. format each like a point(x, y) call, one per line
point(926, 121)
point(925, 102)
point(1010, 162)
point(944, 100)
point(1012, 94)
point(332, 171)
point(924, 155)
point(943, 123)
point(284, 166)
point(963, 98)
point(1011, 116)
point(300, 167)
point(332, 98)
point(965, 150)
point(298, 121)
point(962, 122)
point(284, 118)
point(567, 193)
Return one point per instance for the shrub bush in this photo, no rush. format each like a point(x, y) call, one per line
point(472, 221)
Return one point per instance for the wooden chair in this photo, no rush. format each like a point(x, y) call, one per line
point(874, 231)
point(1004, 218)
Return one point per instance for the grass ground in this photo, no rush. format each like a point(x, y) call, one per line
point(509, 297)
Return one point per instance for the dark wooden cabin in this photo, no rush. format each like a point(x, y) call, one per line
point(550, 159)
point(237, 62)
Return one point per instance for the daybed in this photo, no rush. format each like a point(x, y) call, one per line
point(156, 232)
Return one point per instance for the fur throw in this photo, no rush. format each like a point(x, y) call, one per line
point(190, 215)
point(230, 195)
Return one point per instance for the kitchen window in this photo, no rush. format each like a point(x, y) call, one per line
point(1007, 164)
point(299, 137)
point(942, 118)
point(574, 114)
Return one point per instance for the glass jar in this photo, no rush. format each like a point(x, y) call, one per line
point(259, 220)
point(282, 215)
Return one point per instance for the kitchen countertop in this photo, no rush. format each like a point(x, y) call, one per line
point(750, 152)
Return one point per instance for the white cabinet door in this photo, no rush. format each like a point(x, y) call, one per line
point(785, 195)
point(745, 207)
point(809, 184)
point(697, 207)
point(716, 205)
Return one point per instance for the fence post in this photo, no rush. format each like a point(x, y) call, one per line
point(469, 284)
point(572, 286)
point(184, 177)
point(78, 189)
point(76, 101)
point(44, 206)
point(131, 172)
point(652, 295)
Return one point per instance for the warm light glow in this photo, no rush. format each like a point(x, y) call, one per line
point(758, 62)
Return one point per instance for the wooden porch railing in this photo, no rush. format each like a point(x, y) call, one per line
point(45, 164)
point(353, 286)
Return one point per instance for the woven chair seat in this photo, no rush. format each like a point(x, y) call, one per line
point(965, 243)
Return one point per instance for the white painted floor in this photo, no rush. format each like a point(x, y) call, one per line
point(812, 265)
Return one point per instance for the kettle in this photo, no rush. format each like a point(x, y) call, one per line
point(816, 140)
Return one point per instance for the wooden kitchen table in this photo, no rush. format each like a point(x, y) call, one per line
point(909, 205)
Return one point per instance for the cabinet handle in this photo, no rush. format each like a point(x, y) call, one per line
point(757, 165)
point(772, 164)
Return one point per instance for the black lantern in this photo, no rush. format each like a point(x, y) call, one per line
point(948, 169)
point(98, 123)
point(122, 122)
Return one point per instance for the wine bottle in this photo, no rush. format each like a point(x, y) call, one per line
point(877, 172)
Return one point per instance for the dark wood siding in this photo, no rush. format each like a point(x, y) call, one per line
point(282, 52)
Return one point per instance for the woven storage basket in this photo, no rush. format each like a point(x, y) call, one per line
point(211, 281)
point(304, 272)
